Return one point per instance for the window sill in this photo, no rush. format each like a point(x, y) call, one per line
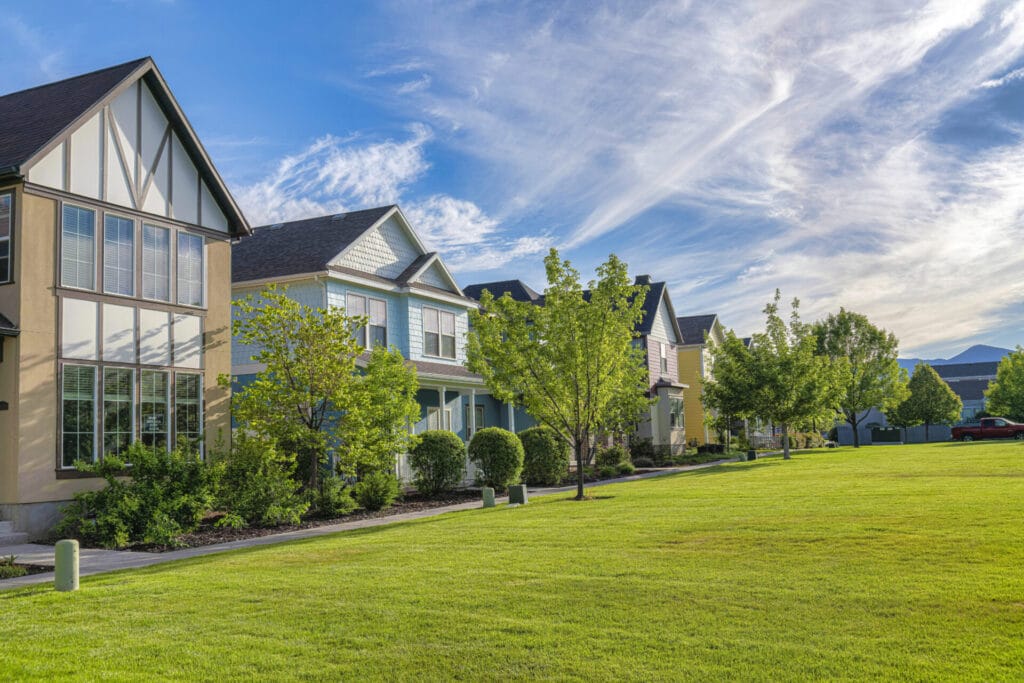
point(79, 474)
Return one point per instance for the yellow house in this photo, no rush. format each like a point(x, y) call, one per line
point(700, 334)
point(115, 281)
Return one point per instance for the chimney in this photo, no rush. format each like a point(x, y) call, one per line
point(643, 280)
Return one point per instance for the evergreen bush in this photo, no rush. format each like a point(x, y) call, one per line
point(258, 484)
point(546, 456)
point(611, 456)
point(376, 490)
point(438, 462)
point(498, 453)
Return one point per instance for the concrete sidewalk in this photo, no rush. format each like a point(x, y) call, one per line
point(95, 561)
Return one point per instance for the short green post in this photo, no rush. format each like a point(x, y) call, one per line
point(65, 566)
point(517, 494)
point(488, 497)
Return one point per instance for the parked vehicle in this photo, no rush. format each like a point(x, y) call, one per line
point(989, 428)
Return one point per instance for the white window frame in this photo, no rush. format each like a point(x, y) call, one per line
point(95, 245)
point(183, 236)
point(168, 426)
point(201, 408)
point(171, 274)
point(103, 407)
point(360, 333)
point(370, 322)
point(664, 358)
point(106, 254)
point(438, 313)
point(434, 413)
point(8, 239)
point(96, 409)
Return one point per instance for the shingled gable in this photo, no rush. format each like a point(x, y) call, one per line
point(657, 292)
point(694, 327)
point(38, 120)
point(319, 245)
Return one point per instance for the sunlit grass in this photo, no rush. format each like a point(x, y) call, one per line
point(887, 562)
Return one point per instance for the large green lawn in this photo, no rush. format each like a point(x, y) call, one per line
point(889, 562)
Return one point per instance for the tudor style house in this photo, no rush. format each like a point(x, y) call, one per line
point(658, 334)
point(372, 263)
point(115, 255)
point(701, 333)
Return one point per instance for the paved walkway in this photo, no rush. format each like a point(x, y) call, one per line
point(96, 561)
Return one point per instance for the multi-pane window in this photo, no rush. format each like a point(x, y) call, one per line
point(118, 255)
point(78, 414)
point(156, 263)
point(190, 269)
point(675, 416)
point(188, 414)
point(118, 410)
point(78, 247)
point(154, 408)
point(355, 305)
point(378, 323)
point(6, 228)
point(438, 333)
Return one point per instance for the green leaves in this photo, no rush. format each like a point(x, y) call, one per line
point(312, 398)
point(1005, 395)
point(571, 362)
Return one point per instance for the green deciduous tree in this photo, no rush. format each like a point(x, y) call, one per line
point(780, 378)
point(874, 378)
point(902, 414)
point(571, 362)
point(1005, 395)
point(312, 397)
point(931, 400)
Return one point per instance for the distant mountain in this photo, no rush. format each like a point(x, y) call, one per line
point(979, 353)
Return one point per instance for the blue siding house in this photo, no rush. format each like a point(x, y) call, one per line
point(372, 263)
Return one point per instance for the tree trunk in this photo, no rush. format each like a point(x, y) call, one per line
point(785, 441)
point(856, 435)
point(580, 448)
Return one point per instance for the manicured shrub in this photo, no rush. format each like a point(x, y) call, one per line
point(545, 456)
point(643, 462)
point(438, 462)
point(625, 467)
point(607, 471)
point(160, 496)
point(332, 498)
point(498, 453)
point(258, 487)
point(641, 448)
point(612, 456)
point(9, 570)
point(376, 490)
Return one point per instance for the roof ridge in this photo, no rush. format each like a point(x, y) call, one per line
point(72, 78)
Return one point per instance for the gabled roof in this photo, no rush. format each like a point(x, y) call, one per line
point(967, 369)
point(32, 118)
point(299, 247)
point(7, 328)
point(34, 121)
point(694, 327)
point(517, 289)
point(970, 389)
point(658, 291)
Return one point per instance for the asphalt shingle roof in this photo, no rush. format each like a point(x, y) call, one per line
point(969, 389)
point(693, 327)
point(517, 289)
point(32, 118)
point(303, 246)
point(967, 370)
point(7, 328)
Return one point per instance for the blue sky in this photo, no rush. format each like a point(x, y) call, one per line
point(866, 155)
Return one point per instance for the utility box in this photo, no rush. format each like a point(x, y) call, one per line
point(517, 494)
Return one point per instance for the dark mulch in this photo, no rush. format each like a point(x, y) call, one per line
point(209, 534)
point(29, 570)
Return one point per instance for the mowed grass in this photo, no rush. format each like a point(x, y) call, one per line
point(888, 562)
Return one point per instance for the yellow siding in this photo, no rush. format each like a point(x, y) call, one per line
point(690, 374)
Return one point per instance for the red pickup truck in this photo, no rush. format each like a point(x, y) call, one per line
point(989, 428)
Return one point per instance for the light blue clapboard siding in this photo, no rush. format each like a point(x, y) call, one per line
point(397, 325)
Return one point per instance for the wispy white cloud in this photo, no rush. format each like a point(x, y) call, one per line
point(800, 136)
point(1014, 75)
point(421, 83)
point(335, 174)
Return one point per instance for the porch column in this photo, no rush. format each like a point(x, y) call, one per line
point(511, 417)
point(472, 414)
point(442, 401)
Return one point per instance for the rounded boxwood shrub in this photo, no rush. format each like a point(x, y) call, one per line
point(438, 462)
point(612, 456)
point(607, 471)
point(625, 467)
point(376, 491)
point(498, 453)
point(545, 456)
